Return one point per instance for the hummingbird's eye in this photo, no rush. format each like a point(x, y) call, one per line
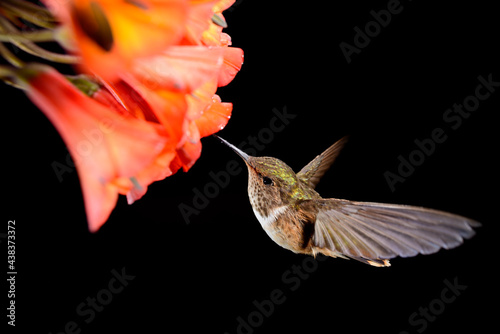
point(267, 181)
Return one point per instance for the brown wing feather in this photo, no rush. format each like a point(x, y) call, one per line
point(375, 232)
point(313, 171)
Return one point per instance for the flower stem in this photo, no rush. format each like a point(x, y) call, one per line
point(9, 75)
point(31, 48)
point(10, 57)
point(30, 12)
point(44, 35)
point(6, 71)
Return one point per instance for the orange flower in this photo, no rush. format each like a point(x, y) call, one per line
point(158, 64)
point(179, 68)
point(204, 27)
point(205, 23)
point(233, 59)
point(109, 34)
point(176, 90)
point(196, 71)
point(164, 108)
point(201, 122)
point(110, 148)
point(188, 74)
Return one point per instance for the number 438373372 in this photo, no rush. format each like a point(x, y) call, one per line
point(11, 244)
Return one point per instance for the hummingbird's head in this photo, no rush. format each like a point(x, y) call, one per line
point(271, 182)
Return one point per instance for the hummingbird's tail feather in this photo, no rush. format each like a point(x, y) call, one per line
point(374, 262)
point(334, 254)
point(373, 232)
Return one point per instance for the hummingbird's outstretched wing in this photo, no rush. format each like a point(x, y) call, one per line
point(373, 232)
point(313, 171)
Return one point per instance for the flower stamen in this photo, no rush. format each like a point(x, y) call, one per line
point(95, 25)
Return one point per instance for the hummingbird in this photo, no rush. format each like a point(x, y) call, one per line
point(297, 218)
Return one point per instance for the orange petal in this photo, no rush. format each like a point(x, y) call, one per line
point(100, 199)
point(171, 108)
point(131, 100)
point(179, 68)
point(190, 150)
point(105, 145)
point(213, 35)
point(109, 34)
point(105, 97)
point(222, 5)
point(168, 108)
point(158, 170)
point(214, 118)
point(145, 27)
point(233, 60)
point(198, 20)
point(200, 99)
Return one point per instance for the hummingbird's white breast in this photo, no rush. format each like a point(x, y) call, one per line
point(268, 222)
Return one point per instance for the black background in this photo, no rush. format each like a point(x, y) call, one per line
point(202, 276)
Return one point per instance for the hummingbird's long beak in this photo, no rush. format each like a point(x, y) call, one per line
point(242, 154)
